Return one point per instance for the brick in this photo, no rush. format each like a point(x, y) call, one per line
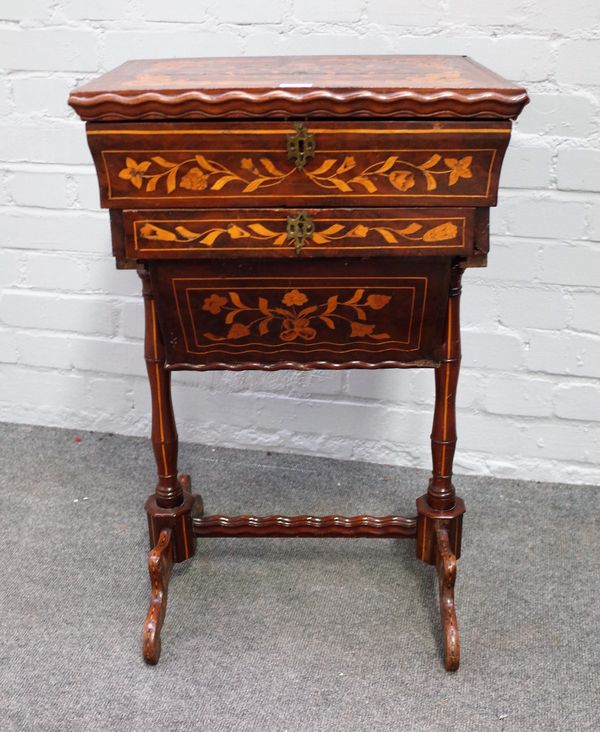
point(571, 264)
point(526, 167)
point(478, 305)
point(54, 271)
point(577, 62)
point(46, 141)
point(577, 401)
point(492, 350)
point(45, 350)
point(267, 42)
point(120, 46)
point(30, 229)
point(91, 10)
point(43, 390)
point(267, 11)
point(427, 12)
point(545, 218)
point(527, 307)
point(586, 311)
point(4, 98)
point(87, 192)
point(593, 230)
point(8, 346)
point(176, 11)
point(514, 261)
point(10, 268)
point(323, 11)
point(105, 278)
point(45, 95)
point(38, 10)
point(566, 114)
point(584, 14)
point(578, 169)
point(562, 441)
point(108, 397)
point(510, 12)
point(574, 354)
point(132, 319)
point(55, 49)
point(55, 312)
point(47, 190)
point(110, 356)
point(519, 396)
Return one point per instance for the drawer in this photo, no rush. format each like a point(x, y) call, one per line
point(197, 234)
point(179, 165)
point(321, 313)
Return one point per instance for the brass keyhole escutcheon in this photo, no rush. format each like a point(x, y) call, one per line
point(300, 146)
point(300, 228)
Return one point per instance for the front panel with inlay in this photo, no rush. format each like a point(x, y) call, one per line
point(280, 314)
point(280, 232)
point(171, 165)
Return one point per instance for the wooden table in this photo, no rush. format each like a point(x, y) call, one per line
point(300, 213)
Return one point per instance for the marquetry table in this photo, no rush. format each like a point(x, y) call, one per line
point(300, 213)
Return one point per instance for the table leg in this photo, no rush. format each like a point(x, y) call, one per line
point(172, 506)
point(440, 511)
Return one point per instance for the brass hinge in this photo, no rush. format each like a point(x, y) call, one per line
point(300, 146)
point(299, 229)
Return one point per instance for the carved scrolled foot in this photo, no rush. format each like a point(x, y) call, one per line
point(446, 570)
point(160, 563)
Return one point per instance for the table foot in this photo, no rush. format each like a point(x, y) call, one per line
point(178, 519)
point(160, 563)
point(446, 570)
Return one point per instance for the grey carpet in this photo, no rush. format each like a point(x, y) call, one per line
point(286, 634)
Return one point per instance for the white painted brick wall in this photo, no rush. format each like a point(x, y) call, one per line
point(71, 325)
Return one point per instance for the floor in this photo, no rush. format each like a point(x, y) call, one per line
point(287, 634)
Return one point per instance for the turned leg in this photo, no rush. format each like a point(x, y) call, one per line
point(440, 511)
point(172, 504)
point(171, 508)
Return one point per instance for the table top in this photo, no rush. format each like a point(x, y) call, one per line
point(307, 86)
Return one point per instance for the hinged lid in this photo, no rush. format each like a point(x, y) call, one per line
point(445, 87)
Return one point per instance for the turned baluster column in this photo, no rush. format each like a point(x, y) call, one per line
point(168, 492)
point(440, 507)
point(440, 493)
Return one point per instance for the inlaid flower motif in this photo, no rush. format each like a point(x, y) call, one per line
point(443, 232)
point(194, 180)
point(459, 168)
point(214, 303)
point(238, 330)
point(402, 180)
point(263, 319)
point(377, 301)
point(293, 328)
point(134, 171)
point(294, 297)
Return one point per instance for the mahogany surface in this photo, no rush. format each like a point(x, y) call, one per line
point(300, 213)
point(303, 86)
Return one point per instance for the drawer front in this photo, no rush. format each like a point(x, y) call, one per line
point(302, 313)
point(179, 165)
point(192, 234)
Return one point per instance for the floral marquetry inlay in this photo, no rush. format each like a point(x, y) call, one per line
point(428, 232)
point(295, 316)
point(343, 174)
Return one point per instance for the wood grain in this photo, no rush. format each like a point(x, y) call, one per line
point(160, 563)
point(446, 570)
point(382, 527)
point(300, 86)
